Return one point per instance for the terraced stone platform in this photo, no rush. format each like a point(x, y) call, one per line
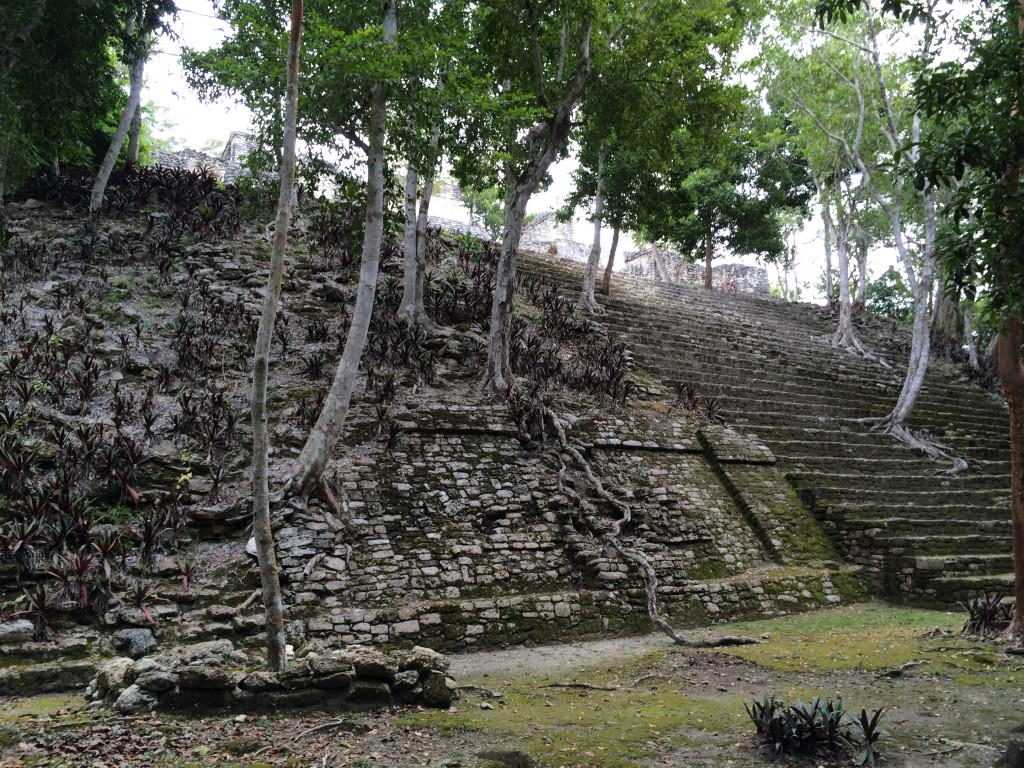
point(920, 534)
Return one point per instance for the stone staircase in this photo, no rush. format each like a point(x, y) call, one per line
point(918, 533)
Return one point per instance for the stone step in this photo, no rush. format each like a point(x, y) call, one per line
point(923, 511)
point(932, 483)
point(831, 402)
point(948, 544)
point(896, 526)
point(955, 588)
point(816, 395)
point(840, 497)
point(875, 446)
point(810, 419)
point(973, 564)
point(871, 463)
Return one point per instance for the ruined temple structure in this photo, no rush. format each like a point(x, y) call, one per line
point(916, 534)
point(227, 166)
point(461, 536)
point(734, 278)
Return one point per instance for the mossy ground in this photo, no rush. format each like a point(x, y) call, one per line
point(648, 704)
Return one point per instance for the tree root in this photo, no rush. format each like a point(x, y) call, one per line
point(610, 536)
point(851, 343)
point(590, 306)
point(585, 687)
point(919, 441)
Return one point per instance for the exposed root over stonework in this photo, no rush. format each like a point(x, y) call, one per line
point(609, 535)
point(919, 441)
point(589, 305)
point(851, 343)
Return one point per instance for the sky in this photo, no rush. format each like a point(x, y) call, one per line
point(188, 122)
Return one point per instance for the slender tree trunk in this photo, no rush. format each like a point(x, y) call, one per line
point(407, 308)
point(709, 253)
point(419, 314)
point(862, 273)
point(587, 302)
point(920, 349)
point(826, 222)
point(606, 282)
point(309, 467)
point(134, 132)
point(844, 337)
point(498, 376)
point(972, 343)
point(660, 268)
point(545, 140)
point(1011, 375)
point(110, 159)
point(422, 222)
point(273, 603)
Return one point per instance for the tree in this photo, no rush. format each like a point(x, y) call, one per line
point(307, 474)
point(975, 149)
point(662, 75)
point(354, 63)
point(886, 175)
point(727, 188)
point(269, 576)
point(485, 207)
point(501, 27)
point(821, 93)
point(144, 19)
point(58, 83)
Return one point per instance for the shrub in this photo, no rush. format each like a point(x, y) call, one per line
point(809, 729)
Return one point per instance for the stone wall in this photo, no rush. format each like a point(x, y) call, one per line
point(460, 537)
point(738, 278)
point(213, 675)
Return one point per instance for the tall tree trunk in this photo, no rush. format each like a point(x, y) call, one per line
point(273, 603)
point(134, 132)
point(587, 302)
point(660, 268)
point(309, 467)
point(545, 140)
point(606, 282)
point(1011, 375)
point(407, 308)
point(422, 222)
point(499, 371)
point(709, 254)
point(972, 343)
point(844, 336)
point(826, 222)
point(413, 309)
point(862, 273)
point(99, 187)
point(920, 349)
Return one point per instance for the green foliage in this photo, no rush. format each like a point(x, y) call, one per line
point(815, 727)
point(888, 296)
point(58, 82)
point(974, 147)
point(486, 207)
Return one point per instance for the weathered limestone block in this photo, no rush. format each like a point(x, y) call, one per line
point(134, 699)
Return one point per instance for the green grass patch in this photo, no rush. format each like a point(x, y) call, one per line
point(866, 636)
point(568, 727)
point(47, 705)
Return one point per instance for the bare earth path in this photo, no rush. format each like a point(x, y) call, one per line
point(554, 659)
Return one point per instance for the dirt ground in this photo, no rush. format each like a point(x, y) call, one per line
point(608, 703)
